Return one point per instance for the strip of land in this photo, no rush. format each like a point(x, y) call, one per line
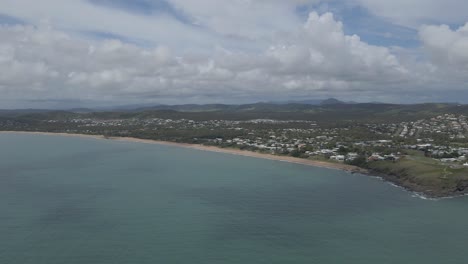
point(315, 163)
point(398, 175)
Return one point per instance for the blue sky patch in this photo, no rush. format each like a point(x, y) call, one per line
point(9, 20)
point(370, 28)
point(107, 35)
point(145, 7)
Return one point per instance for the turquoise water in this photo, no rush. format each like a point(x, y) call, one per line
point(79, 200)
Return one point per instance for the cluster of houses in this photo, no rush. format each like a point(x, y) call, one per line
point(455, 127)
point(151, 123)
point(309, 142)
point(348, 157)
point(459, 159)
point(308, 138)
point(278, 146)
point(379, 157)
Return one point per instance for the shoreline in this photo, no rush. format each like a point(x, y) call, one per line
point(415, 189)
point(245, 153)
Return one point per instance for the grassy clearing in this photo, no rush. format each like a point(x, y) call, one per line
point(427, 174)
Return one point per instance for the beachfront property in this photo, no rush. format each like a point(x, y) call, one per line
point(300, 138)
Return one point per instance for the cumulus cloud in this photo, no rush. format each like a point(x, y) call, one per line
point(241, 18)
point(243, 50)
point(447, 48)
point(242, 24)
point(315, 59)
point(83, 17)
point(413, 13)
point(322, 49)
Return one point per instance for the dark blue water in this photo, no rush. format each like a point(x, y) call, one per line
point(77, 200)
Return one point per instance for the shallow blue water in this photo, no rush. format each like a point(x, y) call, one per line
point(77, 200)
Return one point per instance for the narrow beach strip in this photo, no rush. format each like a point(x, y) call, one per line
point(246, 153)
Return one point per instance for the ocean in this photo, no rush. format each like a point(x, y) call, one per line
point(83, 200)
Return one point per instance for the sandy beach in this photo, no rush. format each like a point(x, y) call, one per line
point(315, 163)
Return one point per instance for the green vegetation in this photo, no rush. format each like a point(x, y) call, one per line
point(403, 143)
point(423, 174)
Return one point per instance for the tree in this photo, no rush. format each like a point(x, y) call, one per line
point(342, 150)
point(360, 161)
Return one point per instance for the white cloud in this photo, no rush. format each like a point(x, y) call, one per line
point(447, 48)
point(242, 50)
point(317, 58)
point(82, 16)
point(413, 13)
point(252, 19)
point(322, 49)
point(233, 23)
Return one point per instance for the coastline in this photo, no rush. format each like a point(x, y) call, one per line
point(417, 190)
point(245, 153)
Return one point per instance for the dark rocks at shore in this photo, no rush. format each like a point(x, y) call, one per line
point(462, 186)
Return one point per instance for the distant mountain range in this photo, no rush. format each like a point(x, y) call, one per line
point(314, 102)
point(328, 111)
point(333, 101)
point(305, 106)
point(231, 107)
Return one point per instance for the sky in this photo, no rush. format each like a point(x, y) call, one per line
point(96, 53)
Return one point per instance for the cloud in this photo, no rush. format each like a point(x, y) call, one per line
point(241, 24)
point(413, 13)
point(315, 59)
point(241, 18)
point(447, 48)
point(240, 51)
point(83, 16)
point(322, 49)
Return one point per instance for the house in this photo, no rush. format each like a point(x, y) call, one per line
point(326, 151)
point(300, 146)
point(352, 156)
point(391, 157)
point(375, 157)
point(449, 160)
point(338, 157)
